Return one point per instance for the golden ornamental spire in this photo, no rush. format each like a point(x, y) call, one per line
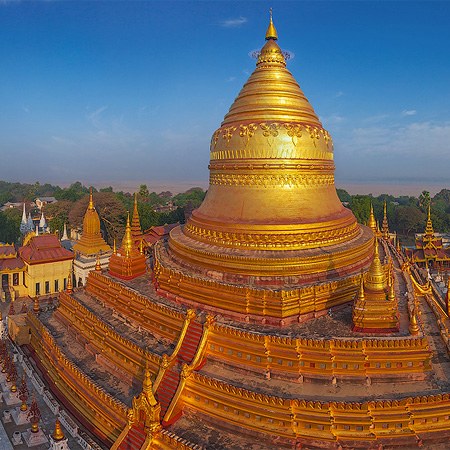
point(98, 266)
point(429, 231)
point(91, 241)
point(361, 289)
point(127, 243)
point(91, 200)
point(413, 323)
point(385, 225)
point(271, 32)
point(372, 223)
point(69, 282)
point(376, 278)
point(114, 247)
point(136, 231)
point(58, 434)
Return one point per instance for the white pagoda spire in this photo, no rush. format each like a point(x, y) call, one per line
point(42, 222)
point(24, 215)
point(64, 236)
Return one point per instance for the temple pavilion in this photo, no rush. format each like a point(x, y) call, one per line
point(429, 251)
point(271, 319)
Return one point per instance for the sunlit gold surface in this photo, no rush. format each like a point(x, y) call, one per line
point(58, 433)
point(375, 308)
point(91, 241)
point(271, 209)
point(127, 262)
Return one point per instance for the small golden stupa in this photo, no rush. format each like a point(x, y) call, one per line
point(127, 262)
point(91, 241)
point(375, 309)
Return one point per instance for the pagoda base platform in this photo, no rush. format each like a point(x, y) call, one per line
point(34, 439)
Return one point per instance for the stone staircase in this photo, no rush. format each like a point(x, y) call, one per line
point(171, 379)
point(134, 439)
point(190, 342)
point(167, 388)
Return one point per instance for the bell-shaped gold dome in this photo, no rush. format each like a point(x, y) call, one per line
point(272, 186)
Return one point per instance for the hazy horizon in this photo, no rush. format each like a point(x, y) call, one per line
point(121, 91)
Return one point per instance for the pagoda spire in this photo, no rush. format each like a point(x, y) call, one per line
point(91, 241)
point(376, 278)
point(64, 236)
point(91, 206)
point(375, 309)
point(429, 231)
point(136, 231)
point(24, 224)
point(271, 32)
point(127, 242)
point(58, 434)
point(42, 222)
point(24, 215)
point(127, 263)
point(372, 223)
point(385, 224)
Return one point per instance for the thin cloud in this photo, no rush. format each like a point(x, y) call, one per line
point(338, 94)
point(94, 117)
point(409, 112)
point(230, 79)
point(234, 23)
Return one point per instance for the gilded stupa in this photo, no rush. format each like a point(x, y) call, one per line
point(91, 246)
point(91, 241)
point(271, 217)
point(241, 335)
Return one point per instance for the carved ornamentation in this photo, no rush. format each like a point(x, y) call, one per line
point(247, 131)
point(271, 180)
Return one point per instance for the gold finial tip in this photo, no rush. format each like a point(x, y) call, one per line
point(58, 433)
point(271, 32)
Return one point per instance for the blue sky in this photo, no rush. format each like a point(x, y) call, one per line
point(114, 92)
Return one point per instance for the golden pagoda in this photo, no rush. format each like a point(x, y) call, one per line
point(375, 309)
point(385, 224)
point(128, 262)
point(91, 241)
point(271, 214)
point(372, 223)
point(242, 334)
point(136, 231)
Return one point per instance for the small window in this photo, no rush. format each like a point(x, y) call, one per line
point(38, 288)
point(15, 279)
point(24, 279)
point(65, 283)
point(47, 287)
point(56, 286)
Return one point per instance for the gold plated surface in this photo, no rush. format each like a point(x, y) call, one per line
point(91, 241)
point(272, 207)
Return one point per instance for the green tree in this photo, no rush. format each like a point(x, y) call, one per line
point(58, 214)
point(409, 219)
point(194, 195)
point(360, 205)
point(343, 195)
point(424, 200)
point(10, 225)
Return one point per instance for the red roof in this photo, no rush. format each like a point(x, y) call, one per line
point(154, 234)
point(44, 248)
point(7, 251)
point(11, 264)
